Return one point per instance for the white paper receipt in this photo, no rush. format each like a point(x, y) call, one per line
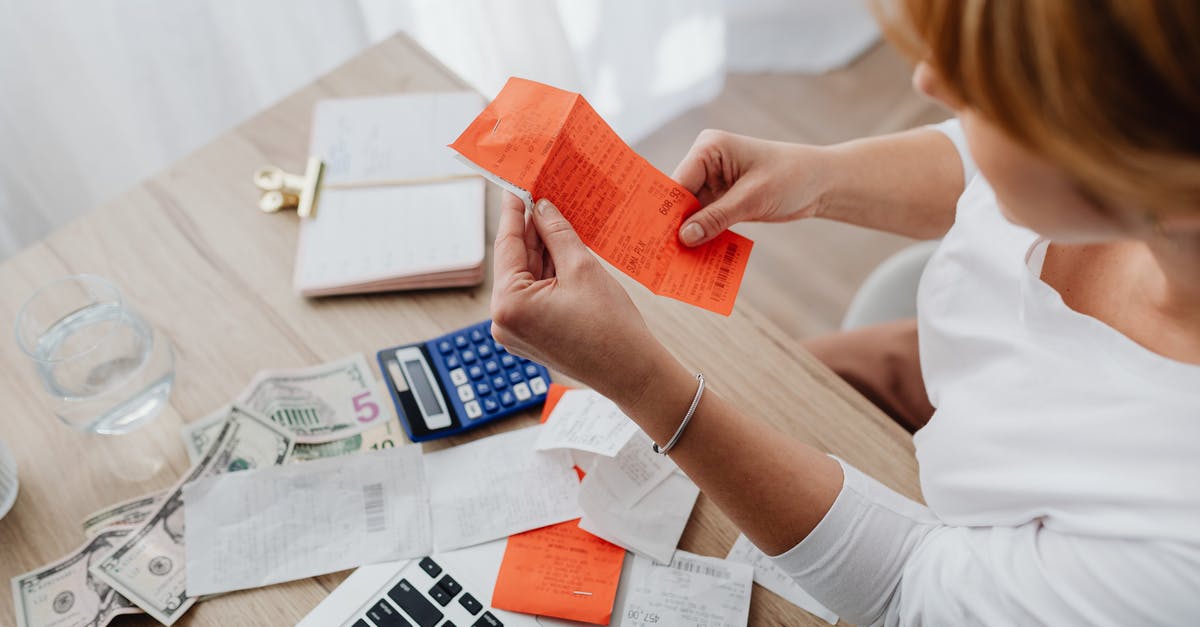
point(498, 486)
point(259, 527)
point(586, 421)
point(771, 577)
point(691, 590)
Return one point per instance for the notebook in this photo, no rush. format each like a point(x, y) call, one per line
point(396, 210)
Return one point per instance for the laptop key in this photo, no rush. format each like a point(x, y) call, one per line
point(384, 615)
point(441, 596)
point(470, 603)
point(450, 585)
point(449, 623)
point(415, 604)
point(360, 623)
point(430, 566)
point(487, 620)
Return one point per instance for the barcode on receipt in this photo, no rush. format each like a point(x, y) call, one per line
point(373, 507)
point(703, 569)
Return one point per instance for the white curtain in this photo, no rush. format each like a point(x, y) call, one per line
point(97, 95)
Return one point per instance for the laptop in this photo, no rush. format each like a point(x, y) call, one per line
point(452, 589)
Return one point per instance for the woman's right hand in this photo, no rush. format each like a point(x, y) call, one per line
point(739, 179)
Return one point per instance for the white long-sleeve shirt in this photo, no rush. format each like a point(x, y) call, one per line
point(1061, 468)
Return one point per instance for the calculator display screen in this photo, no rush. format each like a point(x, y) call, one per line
point(416, 376)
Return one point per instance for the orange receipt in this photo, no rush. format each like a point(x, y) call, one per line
point(541, 142)
point(559, 571)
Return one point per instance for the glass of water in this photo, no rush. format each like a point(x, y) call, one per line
point(106, 369)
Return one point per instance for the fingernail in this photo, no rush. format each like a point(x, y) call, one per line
point(542, 205)
point(692, 233)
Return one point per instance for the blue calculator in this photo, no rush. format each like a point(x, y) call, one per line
point(459, 381)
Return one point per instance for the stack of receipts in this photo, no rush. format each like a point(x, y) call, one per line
point(267, 526)
point(630, 495)
point(641, 501)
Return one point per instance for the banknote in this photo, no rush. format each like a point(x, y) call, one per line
point(386, 435)
point(318, 404)
point(148, 566)
point(198, 435)
point(125, 513)
point(65, 593)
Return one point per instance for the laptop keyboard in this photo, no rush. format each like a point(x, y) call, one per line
point(427, 596)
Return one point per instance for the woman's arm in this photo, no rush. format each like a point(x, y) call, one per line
point(906, 183)
point(553, 302)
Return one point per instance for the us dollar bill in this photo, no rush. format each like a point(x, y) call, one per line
point(66, 594)
point(199, 435)
point(386, 435)
point(318, 404)
point(125, 513)
point(148, 566)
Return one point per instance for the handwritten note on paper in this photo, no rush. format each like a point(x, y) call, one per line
point(691, 590)
point(542, 142)
point(651, 528)
point(584, 420)
point(559, 571)
point(498, 486)
point(771, 577)
point(259, 527)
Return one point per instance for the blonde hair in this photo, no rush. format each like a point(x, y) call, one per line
point(1109, 90)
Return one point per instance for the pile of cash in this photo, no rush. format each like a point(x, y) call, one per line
point(134, 557)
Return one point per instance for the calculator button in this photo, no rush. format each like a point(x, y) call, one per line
point(475, 371)
point(491, 366)
point(515, 377)
point(468, 356)
point(458, 377)
point(487, 620)
point(412, 601)
point(431, 567)
point(537, 385)
point(473, 410)
point(508, 361)
point(461, 341)
point(445, 347)
point(490, 405)
point(482, 389)
point(507, 398)
point(522, 391)
point(484, 350)
point(470, 603)
point(498, 346)
point(465, 393)
point(477, 335)
point(452, 361)
point(499, 382)
point(531, 370)
point(449, 584)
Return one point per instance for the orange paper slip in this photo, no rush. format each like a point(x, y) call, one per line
point(559, 571)
point(541, 142)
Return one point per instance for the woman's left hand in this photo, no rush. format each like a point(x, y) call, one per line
point(554, 303)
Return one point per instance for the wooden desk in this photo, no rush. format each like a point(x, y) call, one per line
point(193, 254)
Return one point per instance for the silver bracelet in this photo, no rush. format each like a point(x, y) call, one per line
point(686, 419)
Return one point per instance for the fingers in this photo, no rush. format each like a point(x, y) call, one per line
point(510, 260)
point(562, 243)
point(709, 222)
point(534, 250)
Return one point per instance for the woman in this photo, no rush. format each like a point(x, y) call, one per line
point(1059, 326)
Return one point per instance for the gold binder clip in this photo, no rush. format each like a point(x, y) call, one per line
point(284, 190)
